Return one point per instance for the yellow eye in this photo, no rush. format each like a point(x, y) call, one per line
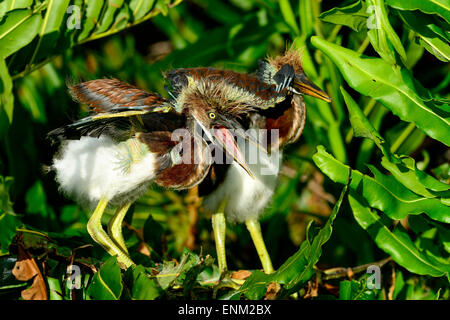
point(212, 115)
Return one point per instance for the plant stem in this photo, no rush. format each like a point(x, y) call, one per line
point(363, 45)
point(334, 33)
point(401, 138)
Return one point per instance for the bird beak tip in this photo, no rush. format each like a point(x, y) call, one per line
point(229, 145)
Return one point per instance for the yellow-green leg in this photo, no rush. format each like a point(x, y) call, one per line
point(115, 227)
point(99, 235)
point(254, 228)
point(219, 227)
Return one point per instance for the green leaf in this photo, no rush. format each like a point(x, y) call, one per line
point(404, 169)
point(140, 8)
point(442, 172)
point(9, 5)
point(36, 199)
point(382, 192)
point(381, 34)
point(389, 84)
point(153, 232)
point(6, 98)
point(399, 284)
point(92, 15)
point(353, 16)
point(5, 202)
point(29, 97)
point(440, 7)
point(17, 29)
point(9, 222)
point(61, 30)
point(107, 282)
point(50, 29)
point(171, 271)
point(108, 16)
point(288, 15)
point(423, 26)
point(306, 12)
point(396, 243)
point(361, 125)
point(356, 290)
point(54, 289)
point(416, 180)
point(144, 288)
point(298, 268)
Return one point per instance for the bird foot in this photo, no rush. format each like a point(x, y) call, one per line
point(226, 281)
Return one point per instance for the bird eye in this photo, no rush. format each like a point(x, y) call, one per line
point(212, 115)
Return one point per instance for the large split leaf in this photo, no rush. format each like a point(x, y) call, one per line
point(299, 268)
point(382, 192)
point(407, 173)
point(396, 243)
point(49, 29)
point(391, 85)
point(353, 16)
point(46, 28)
point(402, 168)
point(440, 7)
point(17, 29)
point(432, 37)
point(381, 34)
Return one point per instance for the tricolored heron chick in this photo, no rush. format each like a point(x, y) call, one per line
point(135, 138)
point(275, 95)
point(132, 139)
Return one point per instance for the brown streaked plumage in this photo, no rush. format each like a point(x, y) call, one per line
point(228, 86)
point(288, 118)
point(103, 95)
point(291, 57)
point(187, 175)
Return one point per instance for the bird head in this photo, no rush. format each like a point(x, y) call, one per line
point(218, 117)
point(286, 72)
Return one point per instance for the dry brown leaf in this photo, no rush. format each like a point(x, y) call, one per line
point(332, 289)
point(241, 274)
point(272, 290)
point(313, 289)
point(26, 269)
point(143, 248)
point(37, 291)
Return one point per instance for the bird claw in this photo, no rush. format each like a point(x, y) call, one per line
point(226, 281)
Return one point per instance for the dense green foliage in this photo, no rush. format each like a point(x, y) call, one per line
point(366, 184)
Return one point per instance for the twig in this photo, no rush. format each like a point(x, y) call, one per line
point(341, 272)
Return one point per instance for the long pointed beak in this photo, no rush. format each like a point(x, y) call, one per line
point(303, 85)
point(229, 145)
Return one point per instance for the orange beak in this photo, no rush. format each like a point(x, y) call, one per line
point(302, 85)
